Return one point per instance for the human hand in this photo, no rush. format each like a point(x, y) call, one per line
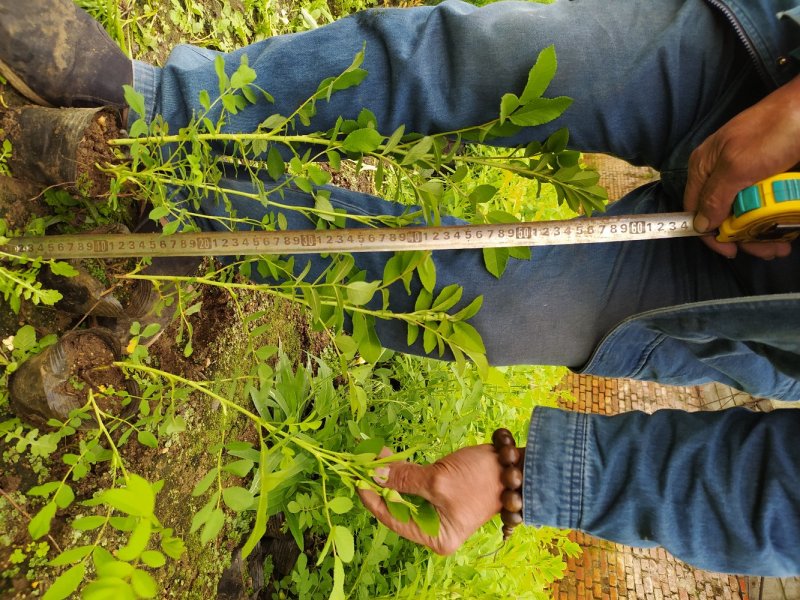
point(464, 488)
point(760, 142)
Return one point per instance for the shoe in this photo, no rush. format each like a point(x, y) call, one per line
point(55, 54)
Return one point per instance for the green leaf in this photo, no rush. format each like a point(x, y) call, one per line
point(482, 193)
point(123, 500)
point(237, 498)
point(346, 344)
point(25, 339)
point(585, 178)
point(143, 584)
point(108, 588)
point(372, 445)
point(173, 547)
point(540, 111)
point(337, 593)
point(318, 175)
point(147, 439)
point(240, 468)
point(399, 511)
point(275, 165)
point(205, 100)
point(367, 118)
point(66, 583)
point(154, 328)
point(323, 205)
point(413, 333)
point(508, 104)
point(213, 526)
point(115, 568)
point(243, 76)
point(303, 184)
point(360, 293)
point(350, 77)
point(364, 333)
point(202, 515)
point(135, 100)
point(260, 526)
point(123, 523)
point(394, 139)
point(495, 260)
point(153, 558)
point(273, 122)
point(63, 268)
point(448, 297)
point(222, 77)
point(46, 488)
point(417, 151)
point(540, 75)
point(101, 557)
point(141, 488)
point(170, 227)
point(340, 505)
point(334, 159)
point(137, 542)
point(201, 486)
point(557, 142)
point(429, 340)
point(466, 336)
point(427, 519)
point(362, 141)
point(343, 543)
point(358, 401)
point(71, 555)
point(39, 525)
point(427, 272)
point(64, 496)
point(470, 310)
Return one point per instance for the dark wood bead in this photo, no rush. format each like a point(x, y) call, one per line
point(512, 500)
point(511, 478)
point(502, 437)
point(508, 455)
point(511, 519)
point(507, 531)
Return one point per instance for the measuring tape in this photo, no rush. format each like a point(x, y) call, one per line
point(770, 210)
point(454, 237)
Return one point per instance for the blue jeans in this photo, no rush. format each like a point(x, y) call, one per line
point(650, 80)
point(487, 53)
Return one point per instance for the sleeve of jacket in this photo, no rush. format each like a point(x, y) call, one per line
point(719, 490)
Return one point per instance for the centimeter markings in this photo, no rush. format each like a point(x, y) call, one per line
point(539, 233)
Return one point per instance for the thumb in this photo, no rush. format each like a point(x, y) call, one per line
point(716, 200)
point(408, 478)
point(405, 477)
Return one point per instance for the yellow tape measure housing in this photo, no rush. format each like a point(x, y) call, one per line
point(766, 211)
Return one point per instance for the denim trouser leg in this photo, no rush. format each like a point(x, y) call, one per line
point(719, 490)
point(642, 75)
point(645, 79)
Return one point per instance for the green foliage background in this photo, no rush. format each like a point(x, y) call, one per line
point(316, 439)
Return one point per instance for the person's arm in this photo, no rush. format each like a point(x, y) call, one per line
point(719, 490)
point(760, 142)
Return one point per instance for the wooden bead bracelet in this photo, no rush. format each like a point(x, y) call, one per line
point(509, 456)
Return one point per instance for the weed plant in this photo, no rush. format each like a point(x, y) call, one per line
point(316, 428)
